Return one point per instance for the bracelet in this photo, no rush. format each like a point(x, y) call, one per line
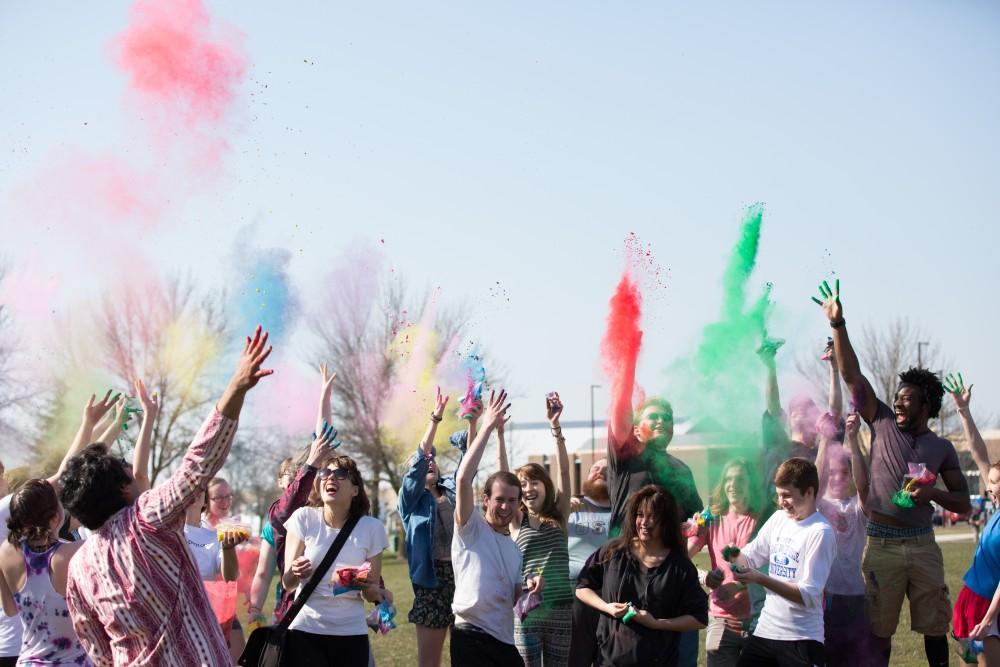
point(555, 430)
point(435, 418)
point(836, 324)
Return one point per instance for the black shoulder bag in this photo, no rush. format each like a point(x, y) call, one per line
point(266, 646)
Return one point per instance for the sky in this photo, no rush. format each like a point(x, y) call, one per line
point(504, 153)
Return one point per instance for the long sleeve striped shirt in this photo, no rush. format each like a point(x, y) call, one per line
point(134, 592)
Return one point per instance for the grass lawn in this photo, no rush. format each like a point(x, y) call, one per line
point(399, 647)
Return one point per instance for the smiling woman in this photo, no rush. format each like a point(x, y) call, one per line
point(330, 628)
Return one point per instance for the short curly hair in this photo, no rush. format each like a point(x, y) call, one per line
point(930, 386)
point(91, 486)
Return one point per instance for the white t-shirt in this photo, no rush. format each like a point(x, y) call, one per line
point(205, 549)
point(487, 571)
point(10, 626)
point(850, 527)
point(324, 613)
point(799, 552)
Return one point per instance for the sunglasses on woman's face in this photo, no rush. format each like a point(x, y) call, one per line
point(338, 473)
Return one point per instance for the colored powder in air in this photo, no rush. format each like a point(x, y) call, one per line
point(475, 377)
point(265, 294)
point(723, 381)
point(622, 338)
point(180, 62)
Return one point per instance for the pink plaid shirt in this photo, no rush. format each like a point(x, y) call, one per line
point(134, 592)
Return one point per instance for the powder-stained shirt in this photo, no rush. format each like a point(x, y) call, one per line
point(892, 449)
point(632, 465)
point(849, 525)
point(134, 592)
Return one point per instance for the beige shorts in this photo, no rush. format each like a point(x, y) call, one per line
point(910, 567)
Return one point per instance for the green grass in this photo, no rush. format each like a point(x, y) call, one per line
point(399, 647)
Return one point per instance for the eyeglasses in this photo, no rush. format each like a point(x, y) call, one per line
point(338, 473)
point(221, 498)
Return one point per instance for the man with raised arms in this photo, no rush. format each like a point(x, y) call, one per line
point(901, 556)
point(134, 593)
point(486, 560)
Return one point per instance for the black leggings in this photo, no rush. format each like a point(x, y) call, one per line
point(306, 648)
point(472, 647)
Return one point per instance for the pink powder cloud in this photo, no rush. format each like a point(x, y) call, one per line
point(180, 62)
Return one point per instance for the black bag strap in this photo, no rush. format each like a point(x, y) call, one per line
point(318, 573)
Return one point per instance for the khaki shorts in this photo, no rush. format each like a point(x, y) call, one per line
point(911, 567)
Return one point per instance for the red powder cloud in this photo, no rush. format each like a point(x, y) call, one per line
point(179, 63)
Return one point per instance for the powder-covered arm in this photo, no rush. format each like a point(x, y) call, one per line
point(862, 395)
point(465, 502)
point(620, 348)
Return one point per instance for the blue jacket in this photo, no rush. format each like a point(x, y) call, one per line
point(418, 510)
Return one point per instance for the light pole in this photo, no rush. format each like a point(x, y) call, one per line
point(920, 353)
point(592, 437)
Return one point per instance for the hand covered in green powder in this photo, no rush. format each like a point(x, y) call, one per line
point(955, 385)
point(830, 302)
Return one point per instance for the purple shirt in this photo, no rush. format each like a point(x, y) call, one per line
point(892, 450)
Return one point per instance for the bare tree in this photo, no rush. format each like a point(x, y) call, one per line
point(252, 467)
point(168, 334)
point(23, 394)
point(884, 353)
point(356, 339)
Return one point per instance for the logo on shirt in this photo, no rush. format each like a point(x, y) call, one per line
point(784, 559)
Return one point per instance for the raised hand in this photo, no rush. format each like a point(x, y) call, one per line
point(769, 347)
point(150, 403)
point(94, 412)
point(248, 371)
point(326, 377)
point(955, 385)
point(828, 352)
point(553, 408)
point(495, 413)
point(830, 303)
point(439, 404)
point(853, 424)
point(323, 445)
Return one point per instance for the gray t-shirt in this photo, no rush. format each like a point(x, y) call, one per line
point(586, 532)
point(444, 527)
point(892, 450)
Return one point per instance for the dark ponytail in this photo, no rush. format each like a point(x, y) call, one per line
point(32, 508)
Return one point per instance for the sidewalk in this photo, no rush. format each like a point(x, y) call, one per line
point(953, 535)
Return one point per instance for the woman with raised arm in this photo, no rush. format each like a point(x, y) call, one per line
point(427, 508)
point(739, 507)
point(330, 629)
point(644, 585)
point(296, 493)
point(33, 567)
point(978, 604)
point(539, 529)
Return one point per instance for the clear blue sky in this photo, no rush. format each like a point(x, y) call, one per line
point(522, 143)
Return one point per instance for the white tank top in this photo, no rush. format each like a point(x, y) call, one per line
point(49, 638)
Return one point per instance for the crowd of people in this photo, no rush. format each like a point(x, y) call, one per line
point(813, 539)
